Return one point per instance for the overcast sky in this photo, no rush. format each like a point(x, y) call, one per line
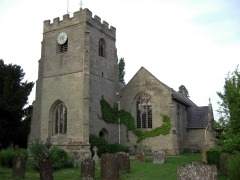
point(190, 42)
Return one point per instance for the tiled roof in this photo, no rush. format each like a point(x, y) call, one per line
point(182, 99)
point(198, 117)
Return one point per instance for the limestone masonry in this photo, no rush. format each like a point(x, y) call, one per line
point(78, 66)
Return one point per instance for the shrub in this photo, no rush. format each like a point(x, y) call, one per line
point(60, 158)
point(113, 148)
point(104, 147)
point(38, 152)
point(234, 167)
point(213, 156)
point(6, 157)
point(231, 143)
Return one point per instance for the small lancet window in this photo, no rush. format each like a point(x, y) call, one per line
point(144, 111)
point(102, 48)
point(59, 120)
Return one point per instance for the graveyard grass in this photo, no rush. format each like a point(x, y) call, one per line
point(139, 170)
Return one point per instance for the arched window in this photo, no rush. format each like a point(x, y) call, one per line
point(144, 111)
point(102, 48)
point(59, 119)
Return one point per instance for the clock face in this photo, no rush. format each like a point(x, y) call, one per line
point(62, 38)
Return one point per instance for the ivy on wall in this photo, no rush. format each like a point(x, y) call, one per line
point(162, 130)
point(111, 115)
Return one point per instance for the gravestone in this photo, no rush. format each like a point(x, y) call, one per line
point(140, 156)
point(197, 171)
point(95, 155)
point(159, 157)
point(19, 167)
point(88, 169)
point(123, 161)
point(109, 167)
point(46, 169)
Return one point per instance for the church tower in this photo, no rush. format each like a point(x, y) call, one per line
point(78, 66)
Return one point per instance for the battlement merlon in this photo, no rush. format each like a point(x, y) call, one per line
point(81, 16)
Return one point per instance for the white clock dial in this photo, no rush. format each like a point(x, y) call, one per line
point(62, 38)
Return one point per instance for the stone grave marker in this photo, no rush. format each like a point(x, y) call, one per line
point(159, 157)
point(88, 169)
point(109, 167)
point(140, 156)
point(123, 161)
point(95, 155)
point(19, 167)
point(197, 171)
point(46, 169)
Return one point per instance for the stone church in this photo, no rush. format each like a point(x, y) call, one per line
point(79, 66)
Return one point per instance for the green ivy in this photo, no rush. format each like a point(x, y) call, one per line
point(162, 130)
point(111, 115)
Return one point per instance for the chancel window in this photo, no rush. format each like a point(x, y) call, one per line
point(102, 48)
point(59, 119)
point(144, 111)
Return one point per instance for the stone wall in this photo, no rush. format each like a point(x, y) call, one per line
point(161, 101)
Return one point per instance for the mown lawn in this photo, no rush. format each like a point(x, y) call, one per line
point(139, 170)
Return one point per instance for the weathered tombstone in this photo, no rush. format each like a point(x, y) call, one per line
point(19, 167)
point(88, 169)
point(123, 161)
point(109, 167)
point(159, 157)
point(46, 169)
point(197, 171)
point(140, 156)
point(95, 155)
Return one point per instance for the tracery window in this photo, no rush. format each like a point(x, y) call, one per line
point(102, 48)
point(144, 111)
point(59, 119)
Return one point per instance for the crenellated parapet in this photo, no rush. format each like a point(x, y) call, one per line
point(81, 16)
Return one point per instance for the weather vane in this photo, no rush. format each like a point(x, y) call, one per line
point(81, 4)
point(67, 6)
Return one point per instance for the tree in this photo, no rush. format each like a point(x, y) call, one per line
point(230, 105)
point(230, 111)
point(13, 98)
point(121, 70)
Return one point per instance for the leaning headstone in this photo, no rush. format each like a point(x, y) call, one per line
point(19, 167)
point(109, 167)
point(197, 171)
point(140, 156)
point(95, 155)
point(46, 169)
point(123, 161)
point(88, 169)
point(159, 157)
